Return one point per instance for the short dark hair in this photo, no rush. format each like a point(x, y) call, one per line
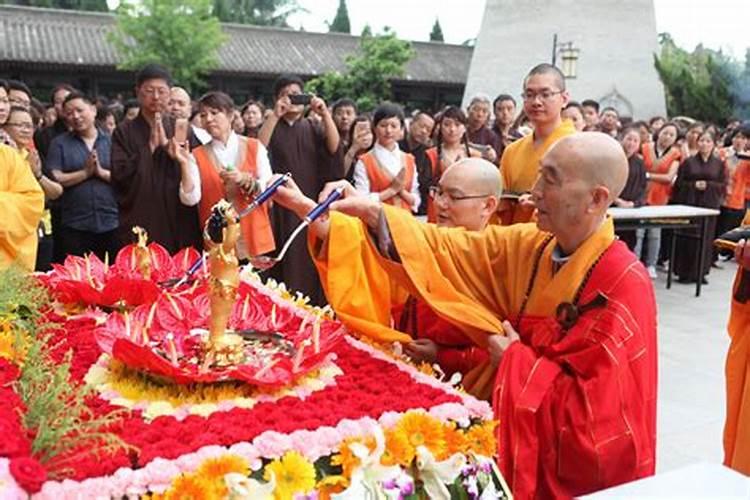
point(387, 110)
point(217, 100)
point(129, 104)
point(547, 69)
point(590, 103)
point(503, 98)
point(19, 85)
point(4, 84)
point(78, 95)
point(344, 102)
point(253, 102)
point(654, 118)
point(153, 72)
point(574, 104)
point(610, 108)
point(743, 129)
point(284, 81)
point(17, 109)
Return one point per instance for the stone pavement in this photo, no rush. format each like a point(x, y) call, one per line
point(693, 342)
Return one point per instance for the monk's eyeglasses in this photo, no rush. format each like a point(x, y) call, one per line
point(544, 95)
point(437, 192)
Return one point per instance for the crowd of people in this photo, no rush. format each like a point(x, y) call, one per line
point(162, 161)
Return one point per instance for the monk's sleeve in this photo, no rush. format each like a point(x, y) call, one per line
point(124, 161)
point(356, 285)
point(737, 428)
point(462, 275)
point(21, 206)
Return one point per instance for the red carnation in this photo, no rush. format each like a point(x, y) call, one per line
point(8, 372)
point(14, 445)
point(28, 473)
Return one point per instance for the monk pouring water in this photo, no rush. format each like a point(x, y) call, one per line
point(574, 354)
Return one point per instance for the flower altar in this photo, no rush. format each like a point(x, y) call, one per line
point(112, 386)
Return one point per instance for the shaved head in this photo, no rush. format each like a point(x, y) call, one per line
point(579, 178)
point(594, 157)
point(179, 103)
point(472, 189)
point(476, 175)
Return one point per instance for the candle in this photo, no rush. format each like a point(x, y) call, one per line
point(316, 335)
point(172, 348)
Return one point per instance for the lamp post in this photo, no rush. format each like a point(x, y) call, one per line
point(568, 54)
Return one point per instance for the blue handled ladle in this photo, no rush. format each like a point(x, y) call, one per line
point(264, 262)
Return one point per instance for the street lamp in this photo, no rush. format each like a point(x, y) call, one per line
point(568, 54)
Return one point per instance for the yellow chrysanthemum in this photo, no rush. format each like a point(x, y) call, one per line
point(214, 469)
point(346, 459)
point(191, 487)
point(455, 440)
point(481, 439)
point(6, 346)
point(294, 474)
point(398, 451)
point(331, 485)
point(421, 429)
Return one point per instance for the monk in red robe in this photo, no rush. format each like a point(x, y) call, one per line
point(575, 380)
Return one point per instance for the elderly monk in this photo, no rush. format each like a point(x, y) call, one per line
point(737, 425)
point(575, 385)
point(21, 206)
point(544, 97)
point(364, 297)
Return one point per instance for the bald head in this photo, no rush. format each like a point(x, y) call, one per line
point(476, 175)
point(595, 158)
point(472, 188)
point(179, 103)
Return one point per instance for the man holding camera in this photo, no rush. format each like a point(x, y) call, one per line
point(307, 150)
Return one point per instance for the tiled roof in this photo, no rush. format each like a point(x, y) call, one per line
point(61, 37)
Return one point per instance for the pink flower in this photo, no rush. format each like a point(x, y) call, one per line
point(272, 444)
point(9, 489)
point(389, 419)
point(159, 473)
point(451, 411)
point(188, 462)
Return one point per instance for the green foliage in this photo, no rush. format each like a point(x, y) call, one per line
point(703, 84)
point(436, 35)
point(182, 35)
point(341, 23)
point(258, 12)
point(93, 5)
point(55, 408)
point(369, 72)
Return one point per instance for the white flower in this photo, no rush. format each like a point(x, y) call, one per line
point(435, 475)
point(242, 487)
point(367, 479)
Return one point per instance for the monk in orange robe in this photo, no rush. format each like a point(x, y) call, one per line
point(576, 365)
point(373, 305)
point(737, 425)
point(21, 206)
point(544, 97)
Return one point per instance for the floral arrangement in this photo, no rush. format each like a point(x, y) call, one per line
point(358, 420)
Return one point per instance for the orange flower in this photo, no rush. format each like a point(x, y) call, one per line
point(214, 469)
point(190, 487)
point(346, 459)
point(331, 485)
point(481, 439)
point(398, 451)
point(455, 440)
point(421, 429)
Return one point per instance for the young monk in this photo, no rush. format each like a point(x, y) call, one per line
point(544, 97)
point(386, 171)
point(575, 387)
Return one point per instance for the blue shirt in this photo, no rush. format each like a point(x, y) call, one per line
point(89, 205)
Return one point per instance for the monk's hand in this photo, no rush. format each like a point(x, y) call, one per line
point(498, 344)
point(282, 106)
point(291, 197)
point(177, 151)
point(742, 254)
point(158, 135)
point(35, 163)
point(349, 191)
point(422, 350)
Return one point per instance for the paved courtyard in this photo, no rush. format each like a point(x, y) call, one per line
point(692, 347)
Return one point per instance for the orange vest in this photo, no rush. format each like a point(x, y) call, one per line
point(380, 180)
point(255, 227)
point(435, 167)
point(658, 193)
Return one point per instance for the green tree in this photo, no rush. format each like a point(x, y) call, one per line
point(369, 72)
point(182, 35)
point(700, 84)
point(93, 5)
point(341, 23)
point(258, 12)
point(436, 35)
